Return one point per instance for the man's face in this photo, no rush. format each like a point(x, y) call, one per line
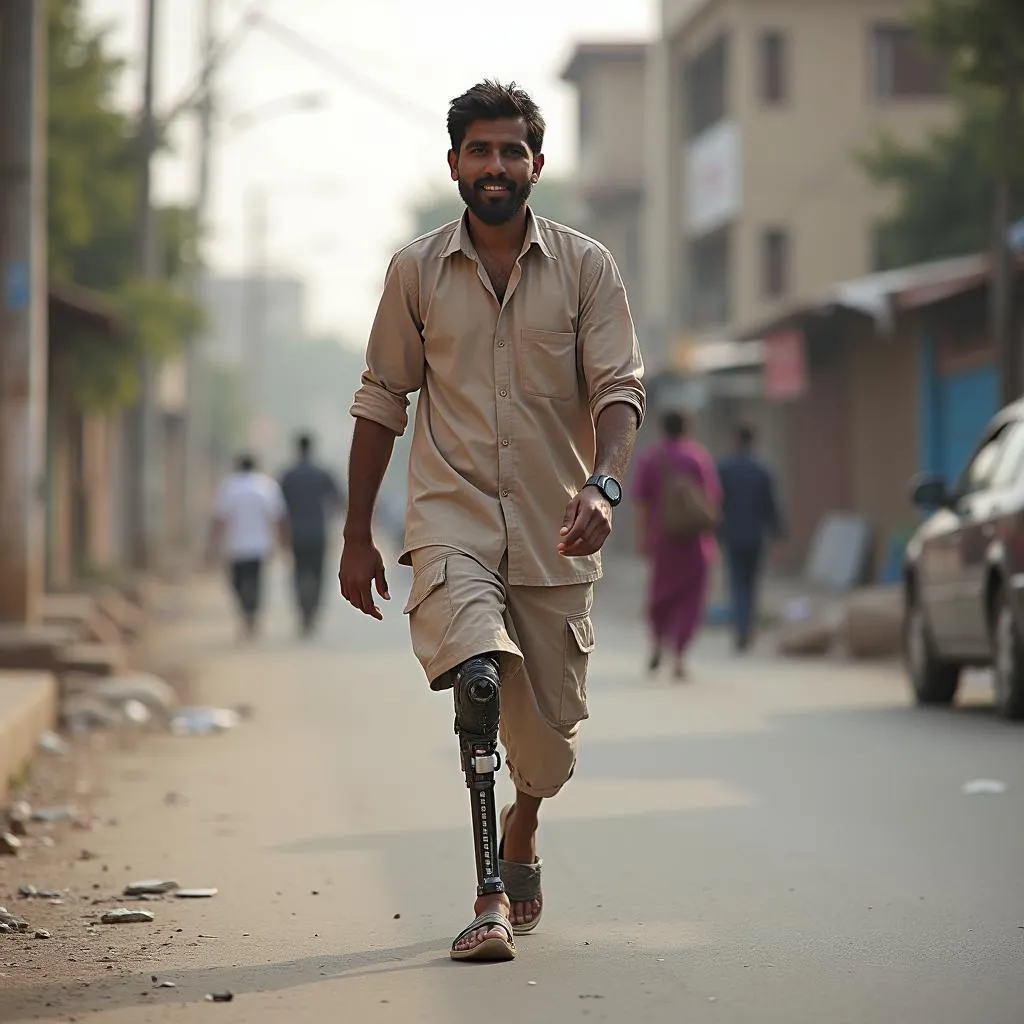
point(496, 169)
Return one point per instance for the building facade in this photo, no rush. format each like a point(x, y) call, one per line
point(609, 79)
point(755, 112)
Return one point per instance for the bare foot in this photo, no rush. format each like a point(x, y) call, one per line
point(498, 902)
point(521, 848)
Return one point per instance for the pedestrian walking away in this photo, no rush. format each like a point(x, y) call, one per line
point(517, 334)
point(678, 491)
point(312, 496)
point(750, 519)
point(248, 517)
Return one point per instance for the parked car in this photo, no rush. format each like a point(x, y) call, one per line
point(964, 572)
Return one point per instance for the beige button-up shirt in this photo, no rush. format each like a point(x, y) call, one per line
point(510, 391)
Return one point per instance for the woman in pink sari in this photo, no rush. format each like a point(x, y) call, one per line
point(679, 569)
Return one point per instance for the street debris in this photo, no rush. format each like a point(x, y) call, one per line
point(984, 787)
point(203, 721)
point(30, 892)
point(138, 688)
point(54, 813)
point(11, 922)
point(195, 894)
point(123, 915)
point(9, 844)
point(150, 887)
point(220, 997)
point(19, 814)
point(42, 933)
point(51, 743)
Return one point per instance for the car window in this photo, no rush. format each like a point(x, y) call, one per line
point(980, 470)
point(1009, 469)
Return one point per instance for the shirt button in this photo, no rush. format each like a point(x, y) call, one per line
point(504, 494)
point(501, 344)
point(505, 443)
point(503, 392)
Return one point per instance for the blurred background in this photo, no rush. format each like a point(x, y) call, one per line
point(812, 205)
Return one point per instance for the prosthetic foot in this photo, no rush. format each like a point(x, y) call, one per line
point(477, 692)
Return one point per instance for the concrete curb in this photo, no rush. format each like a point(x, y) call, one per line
point(28, 707)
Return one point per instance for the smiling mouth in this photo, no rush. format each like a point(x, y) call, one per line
point(494, 189)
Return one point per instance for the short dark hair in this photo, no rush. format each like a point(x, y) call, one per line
point(675, 423)
point(245, 463)
point(746, 435)
point(304, 443)
point(491, 101)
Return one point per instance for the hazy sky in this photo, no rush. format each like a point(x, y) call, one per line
point(340, 178)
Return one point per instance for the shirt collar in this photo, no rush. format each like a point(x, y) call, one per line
point(459, 240)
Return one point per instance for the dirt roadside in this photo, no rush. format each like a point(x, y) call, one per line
point(94, 803)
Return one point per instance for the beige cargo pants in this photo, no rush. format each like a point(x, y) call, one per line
point(544, 637)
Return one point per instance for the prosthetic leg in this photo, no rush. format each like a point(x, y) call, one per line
point(477, 701)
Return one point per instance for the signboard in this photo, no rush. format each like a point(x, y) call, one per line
point(785, 365)
point(713, 178)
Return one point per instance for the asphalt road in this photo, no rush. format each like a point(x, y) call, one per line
point(771, 842)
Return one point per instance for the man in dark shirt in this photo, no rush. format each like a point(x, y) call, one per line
point(310, 494)
point(750, 517)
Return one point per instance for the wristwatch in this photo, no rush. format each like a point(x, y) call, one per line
point(608, 486)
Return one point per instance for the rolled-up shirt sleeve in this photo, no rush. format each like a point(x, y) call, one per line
point(612, 364)
point(394, 353)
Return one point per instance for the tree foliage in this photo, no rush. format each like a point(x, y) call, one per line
point(93, 194)
point(983, 38)
point(943, 189)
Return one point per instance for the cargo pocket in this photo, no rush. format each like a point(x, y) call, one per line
point(430, 610)
point(579, 643)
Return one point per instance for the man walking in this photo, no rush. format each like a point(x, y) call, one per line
point(248, 516)
point(517, 334)
point(750, 516)
point(311, 495)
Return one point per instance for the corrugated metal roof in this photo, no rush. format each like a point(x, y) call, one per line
point(879, 296)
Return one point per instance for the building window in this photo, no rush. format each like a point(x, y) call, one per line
point(773, 68)
point(709, 302)
point(775, 263)
point(901, 66)
point(705, 86)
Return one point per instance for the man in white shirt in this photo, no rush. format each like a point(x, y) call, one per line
point(249, 515)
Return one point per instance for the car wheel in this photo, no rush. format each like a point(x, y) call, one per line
point(1008, 659)
point(934, 681)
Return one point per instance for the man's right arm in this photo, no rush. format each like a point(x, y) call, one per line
point(394, 369)
point(372, 445)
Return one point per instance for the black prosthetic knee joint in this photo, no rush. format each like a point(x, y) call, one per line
point(477, 713)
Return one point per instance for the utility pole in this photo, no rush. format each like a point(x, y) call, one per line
point(196, 411)
point(254, 321)
point(148, 468)
point(1005, 323)
point(23, 308)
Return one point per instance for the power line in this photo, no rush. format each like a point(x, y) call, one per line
point(217, 56)
point(327, 60)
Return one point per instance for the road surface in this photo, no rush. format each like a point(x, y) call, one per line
point(771, 842)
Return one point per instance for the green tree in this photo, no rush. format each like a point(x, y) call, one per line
point(984, 42)
point(92, 208)
point(943, 190)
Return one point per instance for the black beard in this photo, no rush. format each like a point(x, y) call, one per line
point(495, 210)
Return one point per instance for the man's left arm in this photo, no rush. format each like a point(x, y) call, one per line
point(613, 369)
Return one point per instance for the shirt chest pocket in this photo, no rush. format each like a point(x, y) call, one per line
point(547, 363)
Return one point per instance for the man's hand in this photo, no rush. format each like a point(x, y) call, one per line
point(586, 525)
point(361, 565)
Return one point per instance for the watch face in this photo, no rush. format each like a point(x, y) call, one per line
point(612, 490)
